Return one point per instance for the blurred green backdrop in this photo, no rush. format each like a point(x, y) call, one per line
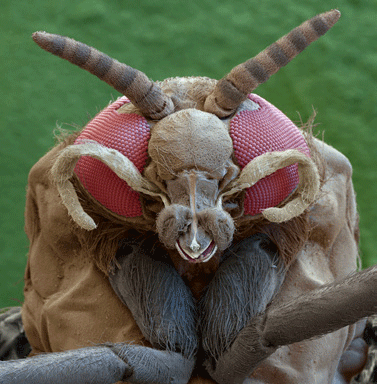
point(337, 76)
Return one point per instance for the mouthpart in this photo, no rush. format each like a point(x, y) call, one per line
point(199, 256)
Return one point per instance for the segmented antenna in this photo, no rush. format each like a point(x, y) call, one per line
point(233, 89)
point(143, 93)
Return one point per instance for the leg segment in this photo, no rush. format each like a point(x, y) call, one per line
point(99, 365)
point(315, 313)
point(162, 305)
point(242, 288)
point(13, 342)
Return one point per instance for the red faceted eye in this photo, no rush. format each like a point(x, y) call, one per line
point(127, 133)
point(256, 132)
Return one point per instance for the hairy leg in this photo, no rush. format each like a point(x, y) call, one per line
point(99, 365)
point(13, 342)
point(244, 285)
point(162, 305)
point(334, 306)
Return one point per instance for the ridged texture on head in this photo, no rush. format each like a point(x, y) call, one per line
point(233, 89)
point(134, 84)
point(260, 131)
point(127, 133)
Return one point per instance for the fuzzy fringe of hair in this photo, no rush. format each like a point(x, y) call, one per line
point(102, 243)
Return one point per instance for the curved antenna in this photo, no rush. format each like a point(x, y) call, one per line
point(233, 89)
point(270, 162)
point(63, 169)
point(143, 93)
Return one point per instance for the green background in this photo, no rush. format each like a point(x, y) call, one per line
point(337, 76)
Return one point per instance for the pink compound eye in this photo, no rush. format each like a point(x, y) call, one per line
point(266, 129)
point(127, 133)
